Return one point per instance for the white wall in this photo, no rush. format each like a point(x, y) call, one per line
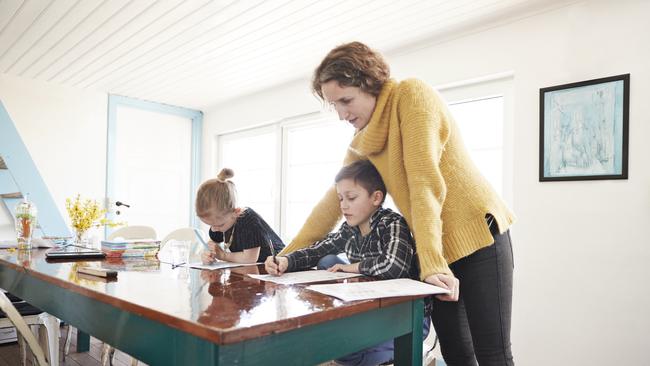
point(581, 251)
point(65, 132)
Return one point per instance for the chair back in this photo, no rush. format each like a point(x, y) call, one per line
point(23, 329)
point(186, 234)
point(133, 232)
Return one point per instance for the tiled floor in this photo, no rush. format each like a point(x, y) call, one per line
point(10, 354)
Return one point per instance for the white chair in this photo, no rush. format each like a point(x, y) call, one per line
point(186, 234)
point(23, 324)
point(133, 232)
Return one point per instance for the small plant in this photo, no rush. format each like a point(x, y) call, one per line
point(86, 213)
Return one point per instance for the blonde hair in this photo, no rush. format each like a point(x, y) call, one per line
point(217, 194)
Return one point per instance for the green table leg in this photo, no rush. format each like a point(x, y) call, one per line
point(83, 341)
point(408, 348)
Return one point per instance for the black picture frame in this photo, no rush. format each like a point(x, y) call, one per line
point(584, 130)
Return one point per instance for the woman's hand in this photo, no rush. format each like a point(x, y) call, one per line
point(449, 282)
point(350, 268)
point(278, 268)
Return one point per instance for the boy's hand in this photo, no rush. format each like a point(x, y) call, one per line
point(350, 268)
point(276, 269)
point(445, 281)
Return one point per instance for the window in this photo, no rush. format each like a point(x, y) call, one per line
point(483, 110)
point(481, 125)
point(296, 159)
point(252, 155)
point(314, 154)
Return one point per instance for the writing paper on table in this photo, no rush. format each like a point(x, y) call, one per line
point(219, 265)
point(378, 289)
point(292, 278)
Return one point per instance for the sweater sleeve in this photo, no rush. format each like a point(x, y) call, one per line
point(323, 217)
point(425, 130)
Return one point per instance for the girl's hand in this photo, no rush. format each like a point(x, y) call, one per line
point(214, 252)
point(350, 268)
point(276, 269)
point(445, 281)
point(218, 253)
point(207, 257)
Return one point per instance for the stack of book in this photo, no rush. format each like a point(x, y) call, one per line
point(130, 248)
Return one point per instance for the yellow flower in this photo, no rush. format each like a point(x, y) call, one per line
point(86, 213)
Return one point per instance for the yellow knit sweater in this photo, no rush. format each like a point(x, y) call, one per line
point(415, 145)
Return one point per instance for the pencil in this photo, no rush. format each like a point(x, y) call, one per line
point(273, 251)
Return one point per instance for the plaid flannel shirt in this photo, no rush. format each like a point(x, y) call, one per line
point(387, 252)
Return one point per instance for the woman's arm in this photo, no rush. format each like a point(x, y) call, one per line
point(425, 130)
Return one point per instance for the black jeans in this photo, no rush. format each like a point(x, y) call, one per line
point(477, 327)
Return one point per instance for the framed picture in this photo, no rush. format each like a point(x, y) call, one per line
point(583, 130)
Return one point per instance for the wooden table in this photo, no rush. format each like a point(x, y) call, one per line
point(183, 316)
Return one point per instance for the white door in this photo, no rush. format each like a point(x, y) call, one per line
point(151, 166)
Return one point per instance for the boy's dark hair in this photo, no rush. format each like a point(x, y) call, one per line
point(363, 173)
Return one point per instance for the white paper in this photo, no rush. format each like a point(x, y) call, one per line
point(378, 289)
point(36, 243)
point(292, 278)
point(219, 265)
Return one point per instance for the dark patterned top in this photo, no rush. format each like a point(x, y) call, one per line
point(251, 231)
point(387, 252)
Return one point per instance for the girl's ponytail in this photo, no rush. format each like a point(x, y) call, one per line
point(217, 194)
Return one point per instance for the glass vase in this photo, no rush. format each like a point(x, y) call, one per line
point(25, 222)
point(81, 238)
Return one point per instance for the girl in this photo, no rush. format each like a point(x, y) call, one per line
point(244, 232)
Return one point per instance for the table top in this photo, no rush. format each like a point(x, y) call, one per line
point(224, 306)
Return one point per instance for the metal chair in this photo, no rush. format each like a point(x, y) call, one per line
point(26, 337)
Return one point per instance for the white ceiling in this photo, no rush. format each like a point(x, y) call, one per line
point(197, 53)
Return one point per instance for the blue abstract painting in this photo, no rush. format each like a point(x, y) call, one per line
point(583, 130)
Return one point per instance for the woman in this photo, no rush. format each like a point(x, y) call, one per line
point(407, 132)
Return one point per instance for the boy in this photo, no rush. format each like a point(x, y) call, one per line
point(376, 240)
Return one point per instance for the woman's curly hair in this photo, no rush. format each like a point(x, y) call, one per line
point(352, 64)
